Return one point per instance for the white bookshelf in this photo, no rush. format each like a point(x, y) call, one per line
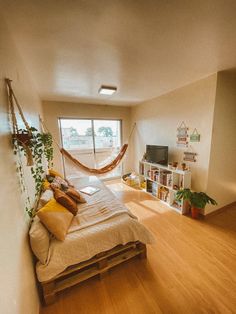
point(163, 183)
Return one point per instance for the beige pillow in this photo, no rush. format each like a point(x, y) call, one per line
point(56, 218)
point(39, 240)
point(45, 198)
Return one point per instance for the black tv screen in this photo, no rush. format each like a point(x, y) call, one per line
point(157, 154)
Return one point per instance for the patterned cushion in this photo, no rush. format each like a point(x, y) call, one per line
point(58, 182)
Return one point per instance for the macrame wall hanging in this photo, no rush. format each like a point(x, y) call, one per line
point(182, 135)
point(195, 136)
point(190, 155)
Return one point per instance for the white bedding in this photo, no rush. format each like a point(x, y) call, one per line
point(93, 235)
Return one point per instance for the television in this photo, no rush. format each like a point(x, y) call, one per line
point(157, 154)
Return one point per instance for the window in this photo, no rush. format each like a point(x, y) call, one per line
point(93, 142)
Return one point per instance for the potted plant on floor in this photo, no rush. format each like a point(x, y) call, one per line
point(197, 200)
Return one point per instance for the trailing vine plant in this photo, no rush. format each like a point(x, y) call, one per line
point(20, 171)
point(41, 151)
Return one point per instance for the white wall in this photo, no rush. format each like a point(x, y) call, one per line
point(17, 285)
point(222, 167)
point(54, 110)
point(157, 121)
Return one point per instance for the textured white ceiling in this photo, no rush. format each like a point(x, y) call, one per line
point(145, 48)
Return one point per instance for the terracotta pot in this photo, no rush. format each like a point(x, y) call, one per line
point(195, 212)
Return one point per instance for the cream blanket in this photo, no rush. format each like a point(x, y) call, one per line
point(98, 207)
point(91, 232)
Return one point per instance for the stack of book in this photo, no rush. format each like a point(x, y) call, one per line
point(166, 178)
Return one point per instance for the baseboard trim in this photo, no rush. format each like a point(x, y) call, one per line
point(220, 210)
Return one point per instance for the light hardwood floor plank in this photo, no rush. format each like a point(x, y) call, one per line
point(190, 269)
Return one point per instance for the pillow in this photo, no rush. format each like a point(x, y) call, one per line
point(56, 218)
point(39, 240)
point(58, 182)
point(45, 185)
point(49, 178)
point(45, 198)
point(54, 173)
point(65, 201)
point(75, 195)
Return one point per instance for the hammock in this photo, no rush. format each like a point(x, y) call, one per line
point(109, 167)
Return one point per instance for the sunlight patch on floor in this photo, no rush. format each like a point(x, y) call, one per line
point(155, 205)
point(118, 187)
point(139, 211)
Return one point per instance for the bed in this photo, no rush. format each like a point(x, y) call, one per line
point(102, 235)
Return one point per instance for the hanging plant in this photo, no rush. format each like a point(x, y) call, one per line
point(36, 147)
point(38, 150)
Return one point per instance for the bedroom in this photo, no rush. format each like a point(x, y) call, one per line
point(171, 62)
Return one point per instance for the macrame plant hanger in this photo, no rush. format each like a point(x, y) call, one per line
point(22, 139)
point(97, 171)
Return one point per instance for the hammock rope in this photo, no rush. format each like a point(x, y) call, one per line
point(109, 167)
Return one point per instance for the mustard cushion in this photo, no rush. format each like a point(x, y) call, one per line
point(54, 173)
point(56, 218)
point(45, 185)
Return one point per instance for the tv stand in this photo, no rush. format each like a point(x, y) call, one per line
point(163, 183)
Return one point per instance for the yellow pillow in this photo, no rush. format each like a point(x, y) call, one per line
point(54, 173)
point(46, 185)
point(56, 218)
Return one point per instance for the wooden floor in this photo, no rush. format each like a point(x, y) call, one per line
point(190, 269)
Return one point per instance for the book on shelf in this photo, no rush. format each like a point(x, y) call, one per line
point(153, 174)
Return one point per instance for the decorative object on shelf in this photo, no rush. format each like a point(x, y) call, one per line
point(144, 157)
point(175, 164)
point(184, 166)
point(182, 135)
point(190, 155)
point(197, 200)
point(195, 136)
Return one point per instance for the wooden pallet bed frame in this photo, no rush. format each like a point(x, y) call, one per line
point(98, 265)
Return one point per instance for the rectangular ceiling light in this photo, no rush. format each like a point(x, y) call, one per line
point(107, 90)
